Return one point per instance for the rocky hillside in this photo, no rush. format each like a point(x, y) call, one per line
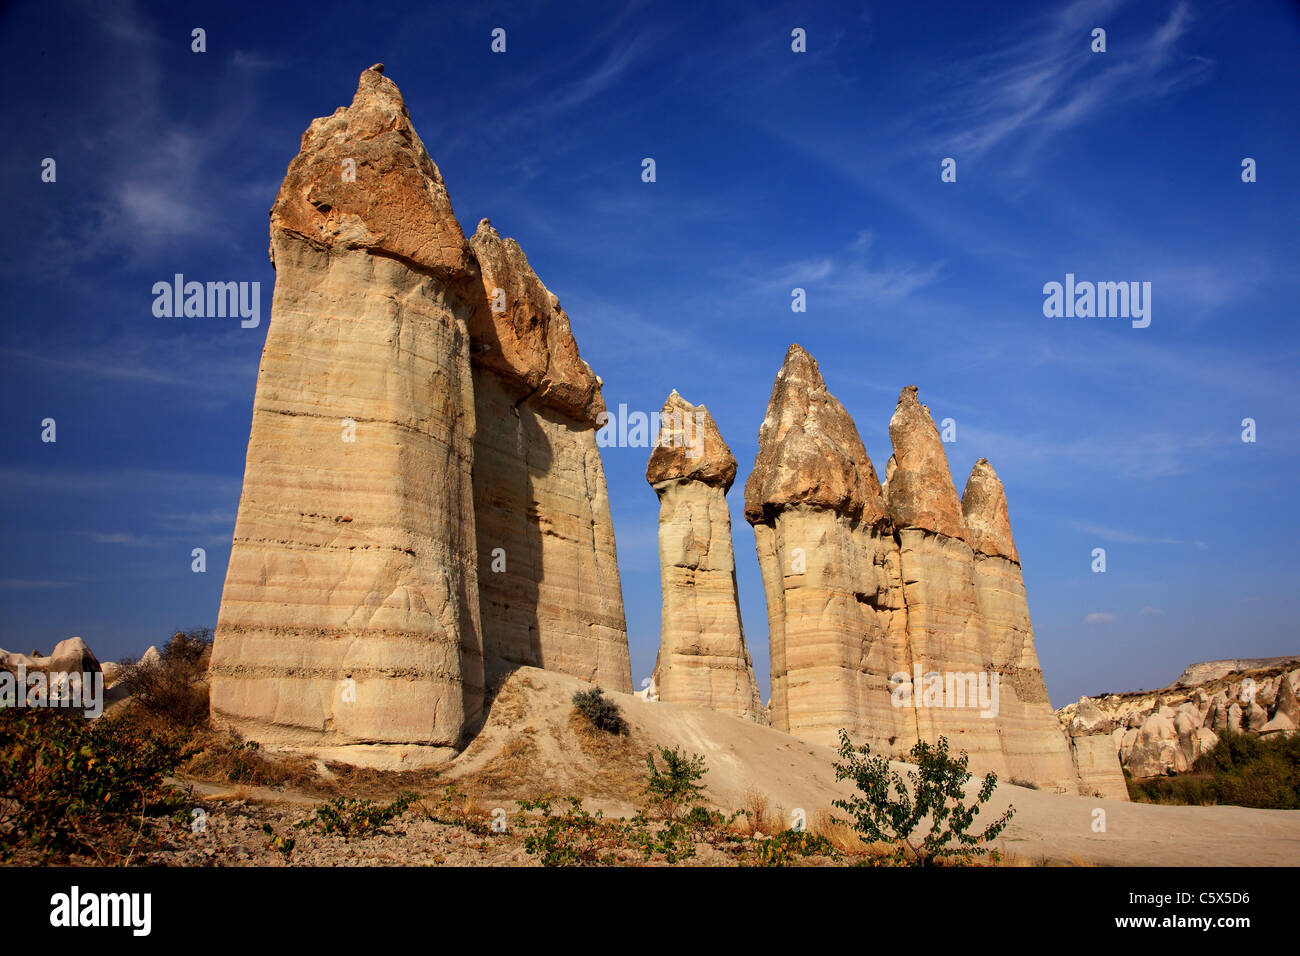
point(1164, 731)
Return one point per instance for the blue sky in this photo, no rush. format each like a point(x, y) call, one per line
point(774, 170)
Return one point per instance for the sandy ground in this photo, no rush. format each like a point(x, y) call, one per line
point(534, 707)
point(531, 743)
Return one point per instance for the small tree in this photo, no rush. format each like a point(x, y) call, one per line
point(677, 786)
point(171, 688)
point(886, 811)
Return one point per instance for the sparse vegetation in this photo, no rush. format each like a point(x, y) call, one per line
point(602, 712)
point(172, 690)
point(885, 810)
point(74, 786)
point(356, 818)
point(1021, 782)
point(677, 786)
point(1242, 770)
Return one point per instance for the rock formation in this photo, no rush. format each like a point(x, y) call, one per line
point(897, 613)
point(1158, 732)
point(548, 572)
point(1031, 739)
point(350, 622)
point(945, 630)
point(702, 658)
point(830, 568)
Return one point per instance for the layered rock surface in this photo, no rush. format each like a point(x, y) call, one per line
point(830, 568)
point(702, 657)
point(1153, 733)
point(1032, 743)
point(548, 569)
point(350, 621)
point(897, 613)
point(945, 629)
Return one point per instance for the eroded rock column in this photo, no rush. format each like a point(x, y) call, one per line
point(702, 657)
point(1032, 741)
point(349, 622)
point(548, 568)
point(945, 631)
point(836, 619)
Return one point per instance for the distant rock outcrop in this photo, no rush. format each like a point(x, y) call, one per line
point(350, 622)
point(702, 657)
point(1154, 733)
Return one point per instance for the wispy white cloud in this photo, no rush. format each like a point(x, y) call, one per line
point(1099, 617)
point(1121, 536)
point(1049, 81)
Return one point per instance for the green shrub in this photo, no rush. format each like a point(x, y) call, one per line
point(356, 818)
point(784, 847)
point(886, 811)
point(677, 786)
point(1243, 770)
point(71, 785)
point(602, 712)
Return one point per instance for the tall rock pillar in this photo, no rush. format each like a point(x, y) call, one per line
point(548, 569)
point(349, 622)
point(1032, 741)
point(702, 658)
point(945, 631)
point(836, 619)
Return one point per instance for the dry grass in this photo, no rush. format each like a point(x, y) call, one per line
point(226, 758)
point(758, 815)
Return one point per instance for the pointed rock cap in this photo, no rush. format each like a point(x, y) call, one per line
point(397, 204)
point(809, 451)
point(520, 331)
point(690, 446)
point(984, 506)
point(921, 492)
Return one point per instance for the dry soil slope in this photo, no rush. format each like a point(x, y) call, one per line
point(530, 744)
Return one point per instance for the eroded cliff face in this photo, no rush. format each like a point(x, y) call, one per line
point(836, 618)
point(373, 506)
point(548, 568)
point(702, 657)
point(349, 622)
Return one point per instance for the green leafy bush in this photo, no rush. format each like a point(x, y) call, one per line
point(72, 785)
point(602, 712)
point(677, 786)
point(783, 848)
point(356, 818)
point(886, 811)
point(1243, 770)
